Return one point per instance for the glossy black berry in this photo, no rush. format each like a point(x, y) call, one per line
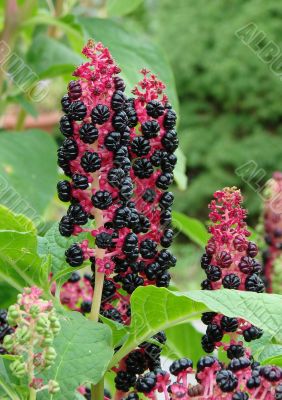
point(206, 285)
point(214, 332)
point(130, 245)
point(252, 249)
point(207, 345)
point(118, 101)
point(124, 380)
point(100, 114)
point(132, 117)
point(74, 255)
point(63, 162)
point(112, 141)
point(64, 190)
point(66, 126)
point(278, 392)
point(120, 121)
point(140, 146)
point(122, 217)
point(131, 281)
point(109, 290)
point(77, 111)
point(152, 270)
point(231, 281)
point(86, 306)
point(150, 129)
point(224, 259)
point(246, 265)
point(163, 280)
point(104, 240)
point(132, 396)
point(148, 248)
point(90, 161)
point(112, 314)
point(154, 109)
point(126, 189)
point(235, 351)
point(168, 162)
point(254, 284)
point(271, 373)
point(180, 365)
point(80, 181)
point(149, 195)
point(254, 381)
point(66, 226)
point(65, 102)
point(166, 200)
point(170, 119)
point(115, 177)
point(70, 149)
point(205, 362)
point(77, 214)
point(74, 90)
point(167, 238)
point(164, 180)
point(237, 364)
point(205, 260)
point(119, 83)
point(160, 337)
point(213, 273)
point(136, 362)
point(226, 380)
point(170, 141)
point(146, 382)
point(229, 324)
point(208, 317)
point(3, 316)
point(102, 199)
point(240, 396)
point(143, 168)
point(252, 333)
point(166, 259)
point(156, 157)
point(88, 133)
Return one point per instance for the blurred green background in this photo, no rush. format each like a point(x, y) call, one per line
point(227, 93)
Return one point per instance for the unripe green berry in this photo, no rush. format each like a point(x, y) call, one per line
point(8, 342)
point(13, 315)
point(56, 327)
point(42, 325)
point(50, 356)
point(18, 368)
point(34, 311)
point(48, 339)
point(53, 387)
point(23, 334)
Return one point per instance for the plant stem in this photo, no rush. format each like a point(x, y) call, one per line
point(20, 119)
point(32, 394)
point(97, 391)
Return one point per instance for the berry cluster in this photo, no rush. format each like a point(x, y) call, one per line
point(118, 154)
point(36, 324)
point(5, 329)
point(272, 221)
point(229, 262)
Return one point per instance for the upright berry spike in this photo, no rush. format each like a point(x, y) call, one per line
point(272, 229)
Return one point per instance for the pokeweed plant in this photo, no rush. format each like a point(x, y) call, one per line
point(118, 158)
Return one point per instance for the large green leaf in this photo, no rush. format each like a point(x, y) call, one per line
point(53, 244)
point(122, 7)
point(49, 58)
point(20, 265)
point(191, 227)
point(180, 170)
point(84, 351)
point(261, 309)
point(155, 309)
point(28, 172)
point(183, 341)
point(272, 354)
point(132, 52)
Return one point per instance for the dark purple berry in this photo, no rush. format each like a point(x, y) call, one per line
point(154, 109)
point(100, 114)
point(74, 255)
point(90, 161)
point(102, 199)
point(88, 133)
point(64, 190)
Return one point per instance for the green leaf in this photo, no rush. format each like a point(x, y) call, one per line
point(54, 245)
point(55, 57)
point(155, 309)
point(191, 227)
point(122, 7)
point(119, 331)
point(261, 309)
point(183, 341)
point(28, 172)
point(132, 52)
point(83, 351)
point(271, 354)
point(179, 173)
point(6, 385)
point(20, 265)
